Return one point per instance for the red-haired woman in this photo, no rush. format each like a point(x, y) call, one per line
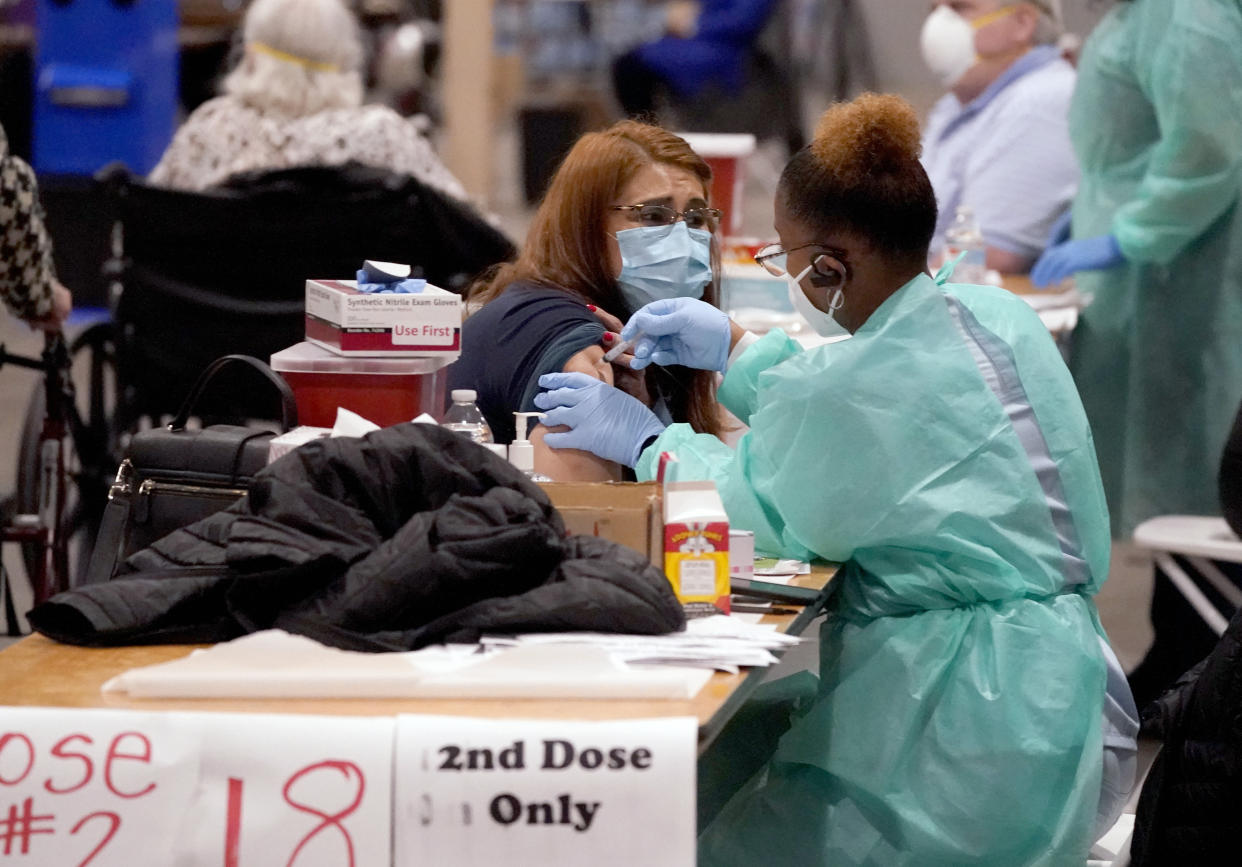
point(626, 220)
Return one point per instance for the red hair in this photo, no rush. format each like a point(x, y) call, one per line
point(567, 244)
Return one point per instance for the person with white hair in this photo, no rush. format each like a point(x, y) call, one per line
point(998, 141)
point(295, 99)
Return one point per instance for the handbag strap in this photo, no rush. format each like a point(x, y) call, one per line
point(10, 613)
point(288, 406)
point(109, 547)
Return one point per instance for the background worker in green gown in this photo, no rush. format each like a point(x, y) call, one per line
point(1156, 123)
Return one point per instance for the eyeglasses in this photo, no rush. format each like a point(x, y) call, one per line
point(773, 256)
point(663, 215)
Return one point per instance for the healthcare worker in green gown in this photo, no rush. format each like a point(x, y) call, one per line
point(1156, 122)
point(969, 709)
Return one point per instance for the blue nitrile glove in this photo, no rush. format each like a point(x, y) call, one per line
point(605, 420)
point(682, 331)
point(408, 286)
point(1086, 254)
point(1060, 231)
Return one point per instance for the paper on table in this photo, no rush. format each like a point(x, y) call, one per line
point(724, 643)
point(780, 571)
point(1047, 300)
point(275, 664)
point(554, 671)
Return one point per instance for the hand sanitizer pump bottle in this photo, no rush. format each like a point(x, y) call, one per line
point(521, 451)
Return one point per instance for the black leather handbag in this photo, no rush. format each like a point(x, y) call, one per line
point(172, 477)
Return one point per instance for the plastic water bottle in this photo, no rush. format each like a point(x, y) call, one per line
point(464, 416)
point(963, 236)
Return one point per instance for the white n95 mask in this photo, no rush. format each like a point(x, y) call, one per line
point(948, 45)
point(821, 323)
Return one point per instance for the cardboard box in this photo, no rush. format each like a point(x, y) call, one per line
point(696, 547)
point(349, 322)
point(627, 513)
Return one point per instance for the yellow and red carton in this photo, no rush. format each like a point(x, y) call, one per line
point(696, 547)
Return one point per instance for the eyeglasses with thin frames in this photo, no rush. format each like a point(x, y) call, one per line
point(773, 257)
point(707, 219)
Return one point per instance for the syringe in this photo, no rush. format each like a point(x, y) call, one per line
point(613, 354)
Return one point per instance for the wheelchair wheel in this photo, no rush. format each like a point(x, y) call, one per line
point(92, 449)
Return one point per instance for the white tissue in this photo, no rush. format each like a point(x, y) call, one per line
point(350, 424)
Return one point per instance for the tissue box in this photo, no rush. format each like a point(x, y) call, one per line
point(387, 391)
point(696, 547)
point(349, 322)
point(627, 513)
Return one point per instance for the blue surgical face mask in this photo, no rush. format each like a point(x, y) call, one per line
point(659, 262)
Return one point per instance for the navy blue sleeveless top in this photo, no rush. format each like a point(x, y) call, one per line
point(524, 332)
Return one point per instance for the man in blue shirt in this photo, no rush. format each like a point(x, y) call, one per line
point(999, 140)
point(706, 43)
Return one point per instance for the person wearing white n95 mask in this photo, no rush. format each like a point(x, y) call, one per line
point(998, 142)
point(824, 272)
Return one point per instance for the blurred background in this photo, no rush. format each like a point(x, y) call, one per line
point(505, 86)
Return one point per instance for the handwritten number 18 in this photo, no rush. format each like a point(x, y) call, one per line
point(347, 771)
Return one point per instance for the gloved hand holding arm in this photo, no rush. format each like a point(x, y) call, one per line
point(603, 420)
point(682, 331)
point(1084, 254)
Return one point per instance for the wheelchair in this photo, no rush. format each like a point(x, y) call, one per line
point(195, 276)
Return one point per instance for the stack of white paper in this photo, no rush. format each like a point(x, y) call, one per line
point(718, 642)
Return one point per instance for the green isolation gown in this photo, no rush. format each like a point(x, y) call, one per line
point(1156, 122)
point(942, 456)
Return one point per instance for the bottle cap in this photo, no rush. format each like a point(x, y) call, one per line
point(464, 395)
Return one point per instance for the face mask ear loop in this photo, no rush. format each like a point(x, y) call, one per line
point(838, 298)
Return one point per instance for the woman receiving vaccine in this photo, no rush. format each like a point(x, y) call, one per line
point(625, 221)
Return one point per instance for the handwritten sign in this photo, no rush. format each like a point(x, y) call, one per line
point(99, 788)
point(92, 787)
point(474, 791)
point(102, 788)
point(291, 790)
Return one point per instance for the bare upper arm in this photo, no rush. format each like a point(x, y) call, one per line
point(573, 465)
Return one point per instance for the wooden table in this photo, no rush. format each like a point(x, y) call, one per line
point(37, 671)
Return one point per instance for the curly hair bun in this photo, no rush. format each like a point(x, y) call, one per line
point(876, 131)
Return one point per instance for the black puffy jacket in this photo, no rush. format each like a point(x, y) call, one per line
point(408, 536)
point(1190, 810)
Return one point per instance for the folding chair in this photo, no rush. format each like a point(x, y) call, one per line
point(1201, 541)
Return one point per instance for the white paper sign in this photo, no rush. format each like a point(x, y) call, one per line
point(291, 791)
point(93, 787)
point(126, 789)
point(538, 792)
